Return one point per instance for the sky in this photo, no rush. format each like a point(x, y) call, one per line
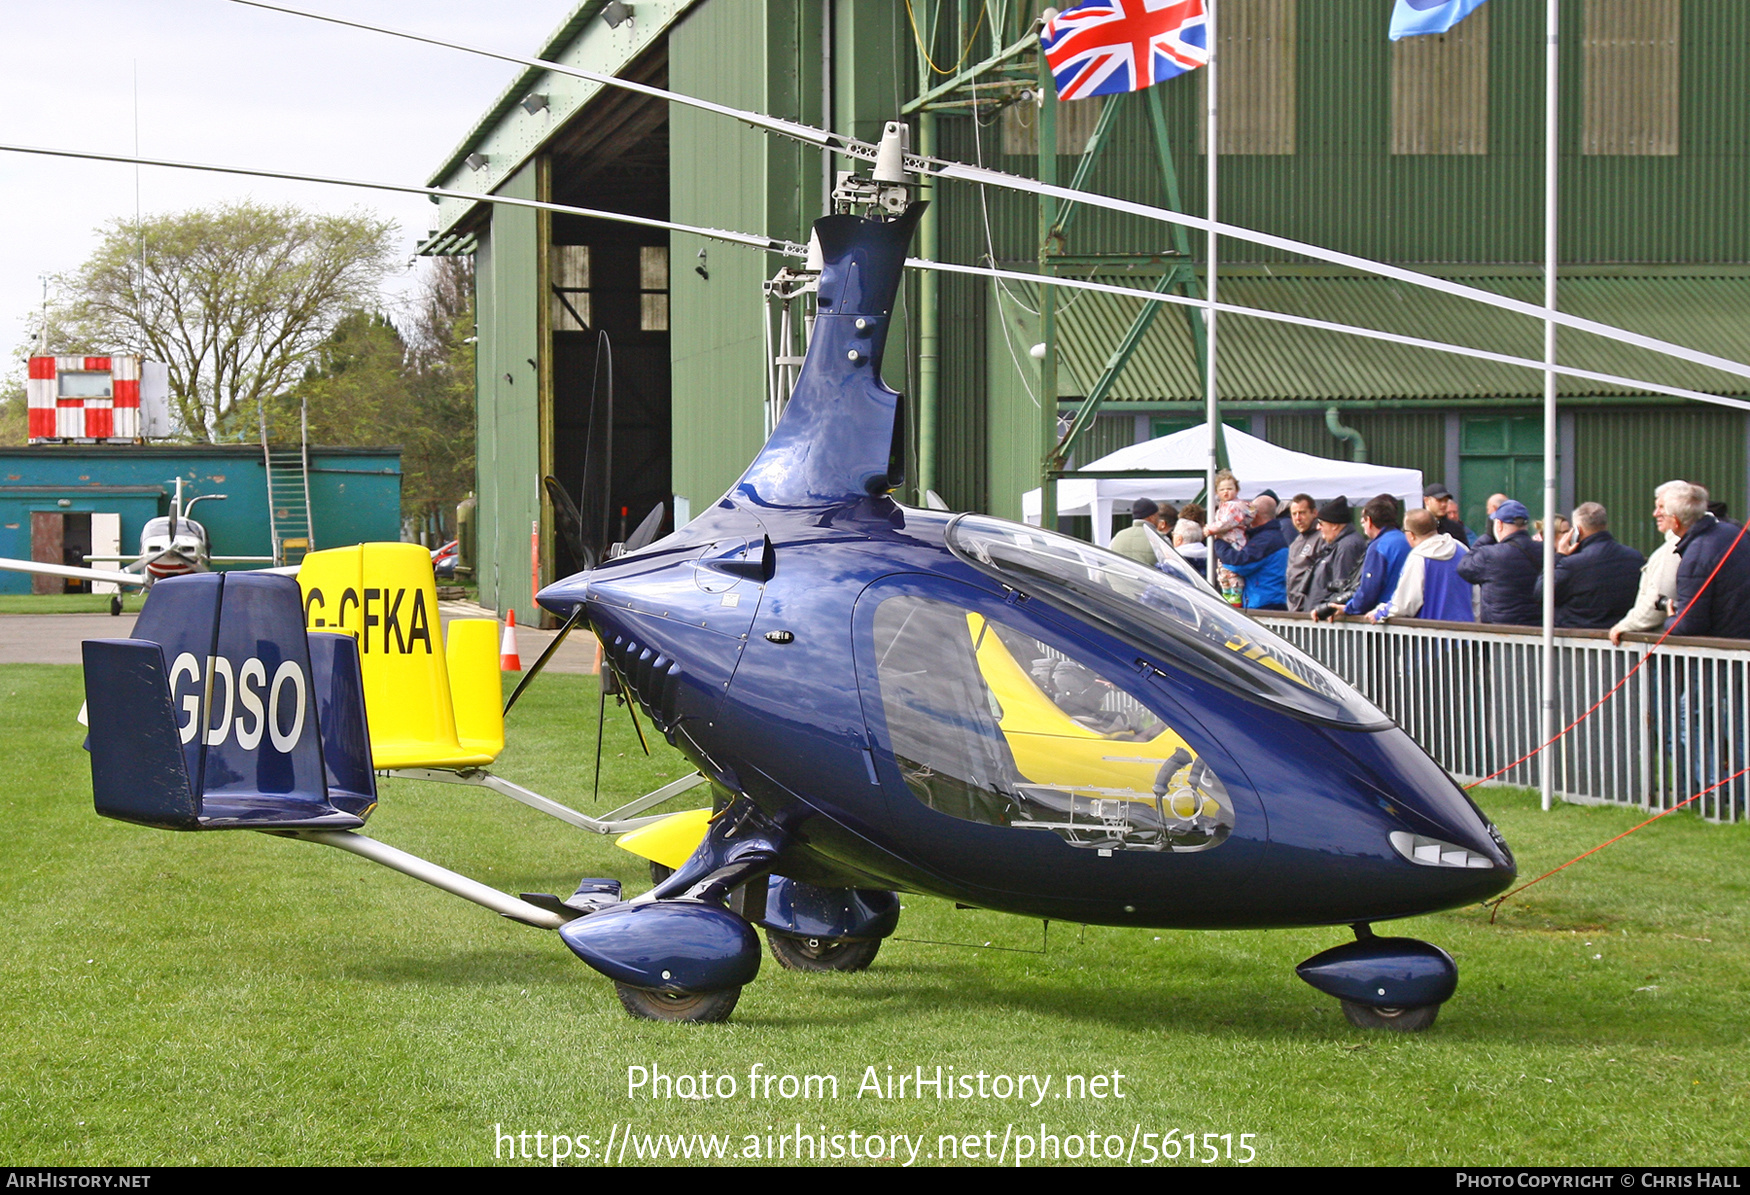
point(224, 84)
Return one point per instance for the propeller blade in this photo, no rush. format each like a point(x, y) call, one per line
point(568, 522)
point(646, 531)
point(601, 717)
point(576, 617)
point(630, 709)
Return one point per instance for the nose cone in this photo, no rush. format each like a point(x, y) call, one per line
point(1447, 848)
point(562, 598)
point(1364, 826)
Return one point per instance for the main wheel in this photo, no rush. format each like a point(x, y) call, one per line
point(821, 954)
point(1401, 1020)
point(115, 604)
point(659, 872)
point(701, 1007)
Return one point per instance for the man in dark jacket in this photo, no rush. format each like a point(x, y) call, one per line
point(1507, 569)
point(1438, 501)
point(1339, 561)
point(1597, 578)
point(1263, 562)
point(1711, 727)
point(1704, 544)
point(1304, 545)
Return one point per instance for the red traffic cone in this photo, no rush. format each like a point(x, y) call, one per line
point(508, 661)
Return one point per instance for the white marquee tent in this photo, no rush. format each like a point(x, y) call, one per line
point(1258, 464)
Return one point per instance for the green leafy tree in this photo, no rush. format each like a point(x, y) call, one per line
point(235, 300)
point(369, 384)
point(14, 415)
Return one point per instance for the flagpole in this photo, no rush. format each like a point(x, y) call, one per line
point(1211, 401)
point(1550, 157)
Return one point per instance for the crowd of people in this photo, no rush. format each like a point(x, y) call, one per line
point(1425, 563)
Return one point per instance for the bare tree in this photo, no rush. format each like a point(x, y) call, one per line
point(235, 300)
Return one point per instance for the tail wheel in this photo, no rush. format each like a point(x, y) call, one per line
point(821, 954)
point(1400, 1020)
point(698, 1007)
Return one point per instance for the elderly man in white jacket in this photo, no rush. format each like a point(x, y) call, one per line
point(1658, 575)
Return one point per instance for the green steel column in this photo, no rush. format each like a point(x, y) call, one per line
point(1047, 301)
point(929, 320)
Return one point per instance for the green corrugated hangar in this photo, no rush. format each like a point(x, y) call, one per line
point(1425, 153)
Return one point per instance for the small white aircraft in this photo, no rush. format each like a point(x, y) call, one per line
point(170, 546)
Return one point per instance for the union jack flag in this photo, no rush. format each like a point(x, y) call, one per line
point(1107, 47)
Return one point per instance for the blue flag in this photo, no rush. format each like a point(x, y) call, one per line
point(1413, 17)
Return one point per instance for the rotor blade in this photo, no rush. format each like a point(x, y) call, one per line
point(791, 249)
point(569, 521)
point(788, 248)
point(528, 677)
point(646, 531)
point(984, 176)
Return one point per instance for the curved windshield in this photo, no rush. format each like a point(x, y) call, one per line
point(1172, 614)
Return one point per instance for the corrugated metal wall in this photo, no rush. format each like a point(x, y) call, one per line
point(1344, 187)
point(720, 174)
point(1408, 439)
point(1620, 456)
point(764, 55)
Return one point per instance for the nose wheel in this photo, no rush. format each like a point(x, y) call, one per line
point(695, 1007)
point(1399, 1020)
point(1384, 983)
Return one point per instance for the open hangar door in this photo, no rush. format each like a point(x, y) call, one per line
point(609, 316)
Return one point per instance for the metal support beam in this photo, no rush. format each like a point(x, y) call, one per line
point(929, 322)
point(438, 877)
point(617, 821)
point(962, 78)
point(1047, 299)
point(1115, 364)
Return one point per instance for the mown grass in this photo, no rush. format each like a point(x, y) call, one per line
point(67, 603)
point(241, 999)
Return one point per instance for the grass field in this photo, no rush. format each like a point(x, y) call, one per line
point(239, 999)
point(67, 603)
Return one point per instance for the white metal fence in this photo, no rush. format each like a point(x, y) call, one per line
point(1468, 693)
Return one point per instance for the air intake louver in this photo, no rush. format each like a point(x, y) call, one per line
point(650, 676)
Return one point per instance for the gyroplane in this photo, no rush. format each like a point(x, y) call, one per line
point(885, 700)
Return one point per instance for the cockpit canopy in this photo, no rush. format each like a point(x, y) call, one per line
point(1167, 613)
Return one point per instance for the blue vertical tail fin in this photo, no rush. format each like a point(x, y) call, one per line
point(218, 714)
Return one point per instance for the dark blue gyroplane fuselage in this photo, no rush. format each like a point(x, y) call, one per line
point(1002, 716)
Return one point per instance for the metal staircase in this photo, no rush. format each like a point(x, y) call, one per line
point(288, 493)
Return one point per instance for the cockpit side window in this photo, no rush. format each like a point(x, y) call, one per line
point(991, 725)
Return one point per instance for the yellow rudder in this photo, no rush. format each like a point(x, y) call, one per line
point(476, 690)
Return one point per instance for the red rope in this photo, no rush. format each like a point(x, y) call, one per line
point(1546, 875)
point(1675, 623)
